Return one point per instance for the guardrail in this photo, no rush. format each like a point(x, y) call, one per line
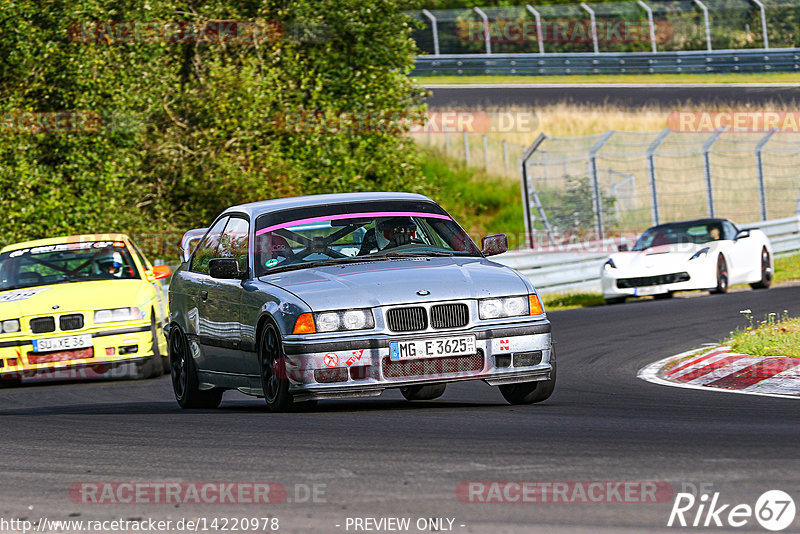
point(758, 60)
point(560, 272)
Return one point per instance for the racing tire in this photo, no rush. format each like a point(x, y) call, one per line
point(766, 271)
point(531, 392)
point(615, 300)
point(154, 366)
point(274, 381)
point(722, 276)
point(426, 392)
point(184, 376)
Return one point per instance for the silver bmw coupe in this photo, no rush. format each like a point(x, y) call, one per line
point(347, 295)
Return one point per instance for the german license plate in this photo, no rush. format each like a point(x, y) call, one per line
point(432, 348)
point(650, 290)
point(62, 343)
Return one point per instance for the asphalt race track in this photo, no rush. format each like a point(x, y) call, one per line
point(622, 95)
point(386, 457)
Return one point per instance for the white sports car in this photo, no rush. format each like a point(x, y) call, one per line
point(703, 254)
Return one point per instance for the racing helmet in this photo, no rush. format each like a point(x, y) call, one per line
point(394, 231)
point(110, 262)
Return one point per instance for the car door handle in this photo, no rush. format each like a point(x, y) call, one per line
point(204, 295)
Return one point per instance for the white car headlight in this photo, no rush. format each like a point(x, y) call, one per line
point(503, 307)
point(337, 321)
point(328, 322)
point(699, 254)
point(9, 326)
point(118, 315)
point(609, 265)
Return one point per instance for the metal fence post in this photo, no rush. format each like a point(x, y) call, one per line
point(763, 23)
point(486, 36)
point(598, 203)
point(651, 169)
point(505, 155)
point(486, 153)
point(707, 22)
point(466, 147)
point(434, 29)
point(528, 192)
point(709, 186)
point(762, 190)
point(593, 22)
point(538, 18)
point(651, 23)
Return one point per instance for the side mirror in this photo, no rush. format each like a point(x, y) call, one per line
point(225, 269)
point(161, 271)
point(742, 234)
point(623, 247)
point(493, 245)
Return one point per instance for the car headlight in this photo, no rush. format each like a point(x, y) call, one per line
point(607, 266)
point(509, 307)
point(118, 315)
point(337, 321)
point(9, 326)
point(700, 253)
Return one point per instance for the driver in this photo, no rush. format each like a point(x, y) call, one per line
point(110, 263)
point(395, 232)
point(388, 233)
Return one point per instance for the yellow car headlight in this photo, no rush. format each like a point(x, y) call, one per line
point(118, 315)
point(9, 326)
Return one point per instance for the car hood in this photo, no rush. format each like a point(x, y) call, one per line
point(73, 297)
point(398, 281)
point(661, 257)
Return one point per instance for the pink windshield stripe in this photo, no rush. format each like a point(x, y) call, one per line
point(352, 216)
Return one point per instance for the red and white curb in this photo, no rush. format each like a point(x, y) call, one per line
point(722, 370)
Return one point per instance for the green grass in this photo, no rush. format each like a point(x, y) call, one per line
point(787, 268)
point(776, 77)
point(776, 335)
point(568, 301)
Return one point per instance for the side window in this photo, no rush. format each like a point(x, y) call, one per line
point(729, 231)
point(207, 248)
point(233, 243)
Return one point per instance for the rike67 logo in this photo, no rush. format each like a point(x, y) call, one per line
point(774, 510)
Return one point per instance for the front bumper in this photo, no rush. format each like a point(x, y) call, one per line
point(505, 355)
point(658, 281)
point(131, 342)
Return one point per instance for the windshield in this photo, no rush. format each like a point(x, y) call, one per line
point(670, 234)
point(66, 262)
point(334, 234)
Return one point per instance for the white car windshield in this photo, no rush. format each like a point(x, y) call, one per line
point(676, 233)
point(338, 234)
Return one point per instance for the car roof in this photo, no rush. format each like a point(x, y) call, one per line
point(264, 206)
point(83, 238)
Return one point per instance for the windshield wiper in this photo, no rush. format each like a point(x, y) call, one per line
point(417, 253)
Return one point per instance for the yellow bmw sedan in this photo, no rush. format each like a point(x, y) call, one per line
point(77, 301)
